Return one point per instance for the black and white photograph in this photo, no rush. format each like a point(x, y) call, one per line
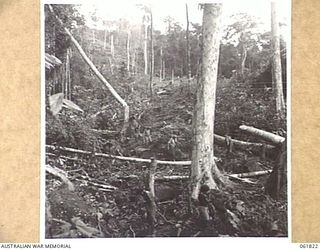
point(166, 119)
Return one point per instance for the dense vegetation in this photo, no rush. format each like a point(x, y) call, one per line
point(162, 128)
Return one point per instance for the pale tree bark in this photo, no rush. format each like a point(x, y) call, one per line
point(96, 72)
point(112, 45)
point(164, 69)
point(188, 47)
point(67, 76)
point(128, 52)
point(151, 55)
point(160, 70)
point(276, 62)
point(145, 49)
point(172, 76)
point(105, 39)
point(243, 59)
point(275, 139)
point(203, 168)
point(133, 63)
point(111, 65)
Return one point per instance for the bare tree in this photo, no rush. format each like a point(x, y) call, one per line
point(203, 167)
point(151, 54)
point(128, 51)
point(145, 48)
point(161, 65)
point(112, 45)
point(188, 47)
point(276, 61)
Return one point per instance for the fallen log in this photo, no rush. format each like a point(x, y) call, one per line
point(241, 144)
point(236, 176)
point(172, 178)
point(242, 179)
point(124, 158)
point(60, 174)
point(251, 174)
point(96, 71)
point(276, 139)
point(98, 185)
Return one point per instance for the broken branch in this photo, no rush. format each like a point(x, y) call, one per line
point(124, 158)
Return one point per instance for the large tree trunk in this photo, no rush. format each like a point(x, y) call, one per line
point(97, 73)
point(276, 61)
point(203, 168)
point(188, 48)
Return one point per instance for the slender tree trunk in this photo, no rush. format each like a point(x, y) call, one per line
point(133, 69)
point(62, 76)
point(111, 45)
point(172, 76)
point(160, 71)
point(145, 50)
point(111, 66)
point(243, 60)
point(67, 75)
point(97, 73)
point(128, 52)
point(93, 36)
point(151, 55)
point(164, 70)
point(188, 48)
point(105, 39)
point(243, 57)
point(203, 168)
point(276, 62)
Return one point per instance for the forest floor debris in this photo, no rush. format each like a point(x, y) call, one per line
point(91, 211)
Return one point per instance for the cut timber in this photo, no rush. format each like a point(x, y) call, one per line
point(61, 174)
point(123, 158)
point(242, 179)
point(173, 178)
point(236, 176)
point(251, 174)
point(241, 144)
point(98, 185)
point(276, 139)
point(96, 71)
